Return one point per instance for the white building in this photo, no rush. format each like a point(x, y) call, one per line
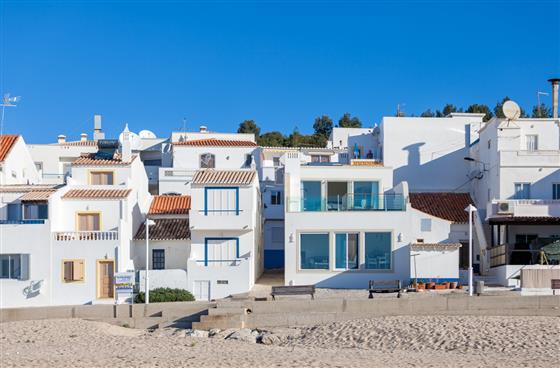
point(16, 164)
point(516, 186)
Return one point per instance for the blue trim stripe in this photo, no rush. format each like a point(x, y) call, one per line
point(206, 189)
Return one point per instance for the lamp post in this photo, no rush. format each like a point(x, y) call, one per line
point(147, 291)
point(477, 161)
point(470, 209)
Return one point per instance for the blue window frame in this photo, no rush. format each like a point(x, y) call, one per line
point(225, 191)
point(206, 240)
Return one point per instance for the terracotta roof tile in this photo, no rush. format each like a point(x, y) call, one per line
point(166, 229)
point(446, 205)
point(213, 142)
point(37, 195)
point(234, 177)
point(170, 205)
point(78, 143)
point(25, 188)
point(6, 144)
point(97, 194)
point(90, 159)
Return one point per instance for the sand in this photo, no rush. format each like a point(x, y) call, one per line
point(418, 341)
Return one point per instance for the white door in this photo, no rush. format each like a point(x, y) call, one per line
point(202, 290)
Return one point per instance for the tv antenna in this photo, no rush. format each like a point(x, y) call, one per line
point(539, 93)
point(7, 101)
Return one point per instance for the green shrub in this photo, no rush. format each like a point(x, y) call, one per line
point(161, 295)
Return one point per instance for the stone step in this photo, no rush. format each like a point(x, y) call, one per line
point(220, 311)
point(223, 325)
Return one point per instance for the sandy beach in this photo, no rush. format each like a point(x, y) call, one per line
point(418, 341)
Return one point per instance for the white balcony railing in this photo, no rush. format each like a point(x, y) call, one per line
point(64, 236)
point(524, 207)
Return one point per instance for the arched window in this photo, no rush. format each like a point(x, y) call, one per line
point(207, 161)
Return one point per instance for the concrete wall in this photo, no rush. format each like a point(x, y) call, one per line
point(18, 166)
point(177, 253)
point(54, 156)
point(169, 278)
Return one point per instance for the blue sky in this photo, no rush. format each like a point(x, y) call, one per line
point(280, 63)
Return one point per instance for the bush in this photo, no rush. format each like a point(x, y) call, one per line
point(161, 295)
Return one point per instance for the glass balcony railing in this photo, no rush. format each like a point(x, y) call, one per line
point(21, 222)
point(348, 202)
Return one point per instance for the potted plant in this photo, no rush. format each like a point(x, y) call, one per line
point(453, 285)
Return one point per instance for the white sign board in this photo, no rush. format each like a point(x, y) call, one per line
point(124, 285)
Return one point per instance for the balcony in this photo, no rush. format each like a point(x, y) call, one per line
point(348, 202)
point(524, 208)
point(67, 236)
point(542, 158)
point(22, 222)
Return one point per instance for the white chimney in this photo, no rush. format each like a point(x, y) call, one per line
point(97, 131)
point(203, 129)
point(555, 82)
point(61, 138)
point(83, 137)
point(126, 148)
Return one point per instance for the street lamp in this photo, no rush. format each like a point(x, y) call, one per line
point(147, 291)
point(467, 158)
point(470, 209)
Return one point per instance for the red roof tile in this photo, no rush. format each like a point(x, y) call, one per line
point(446, 205)
point(6, 144)
point(78, 143)
point(165, 229)
point(213, 142)
point(238, 177)
point(170, 205)
point(97, 194)
point(90, 159)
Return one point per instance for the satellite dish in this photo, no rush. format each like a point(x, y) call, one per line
point(511, 110)
point(135, 141)
point(147, 134)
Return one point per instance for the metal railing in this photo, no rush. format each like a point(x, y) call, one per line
point(22, 222)
point(86, 235)
point(219, 262)
point(348, 202)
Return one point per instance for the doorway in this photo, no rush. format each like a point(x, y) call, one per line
point(202, 290)
point(105, 277)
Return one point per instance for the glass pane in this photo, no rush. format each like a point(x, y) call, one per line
point(340, 251)
point(366, 195)
point(353, 244)
point(311, 195)
point(378, 251)
point(314, 251)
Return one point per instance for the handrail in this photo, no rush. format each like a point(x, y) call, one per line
point(86, 235)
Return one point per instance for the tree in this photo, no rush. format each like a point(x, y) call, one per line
point(249, 126)
point(346, 121)
point(272, 139)
point(323, 125)
point(480, 109)
point(500, 113)
point(427, 114)
point(541, 112)
point(448, 109)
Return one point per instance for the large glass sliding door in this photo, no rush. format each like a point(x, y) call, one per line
point(311, 198)
point(346, 251)
point(366, 195)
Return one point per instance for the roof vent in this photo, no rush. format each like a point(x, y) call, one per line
point(203, 129)
point(61, 138)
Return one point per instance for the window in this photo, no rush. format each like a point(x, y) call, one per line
point(320, 158)
point(221, 252)
point(39, 166)
point(220, 201)
point(346, 251)
point(378, 251)
point(89, 222)
point(73, 270)
point(14, 266)
point(248, 160)
point(35, 211)
point(311, 195)
point(556, 191)
point(532, 142)
point(101, 178)
point(425, 225)
point(314, 251)
point(366, 195)
point(207, 161)
point(276, 161)
point(154, 162)
point(14, 174)
point(158, 259)
point(522, 191)
point(277, 234)
point(66, 168)
point(14, 211)
point(275, 197)
point(489, 144)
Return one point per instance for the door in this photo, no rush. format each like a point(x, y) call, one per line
point(202, 290)
point(105, 275)
point(89, 222)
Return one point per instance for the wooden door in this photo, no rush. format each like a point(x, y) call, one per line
point(106, 271)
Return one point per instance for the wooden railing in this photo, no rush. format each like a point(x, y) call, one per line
point(63, 236)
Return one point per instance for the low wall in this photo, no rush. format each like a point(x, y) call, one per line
point(173, 278)
point(104, 312)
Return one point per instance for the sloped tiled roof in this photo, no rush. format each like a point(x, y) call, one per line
point(445, 205)
point(6, 144)
point(233, 177)
point(25, 188)
point(213, 142)
point(170, 205)
point(166, 229)
point(90, 159)
point(37, 195)
point(97, 194)
point(78, 143)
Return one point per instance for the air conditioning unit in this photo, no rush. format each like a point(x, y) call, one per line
point(505, 208)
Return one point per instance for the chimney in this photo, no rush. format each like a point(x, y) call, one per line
point(555, 82)
point(83, 137)
point(203, 129)
point(97, 131)
point(126, 148)
point(61, 138)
